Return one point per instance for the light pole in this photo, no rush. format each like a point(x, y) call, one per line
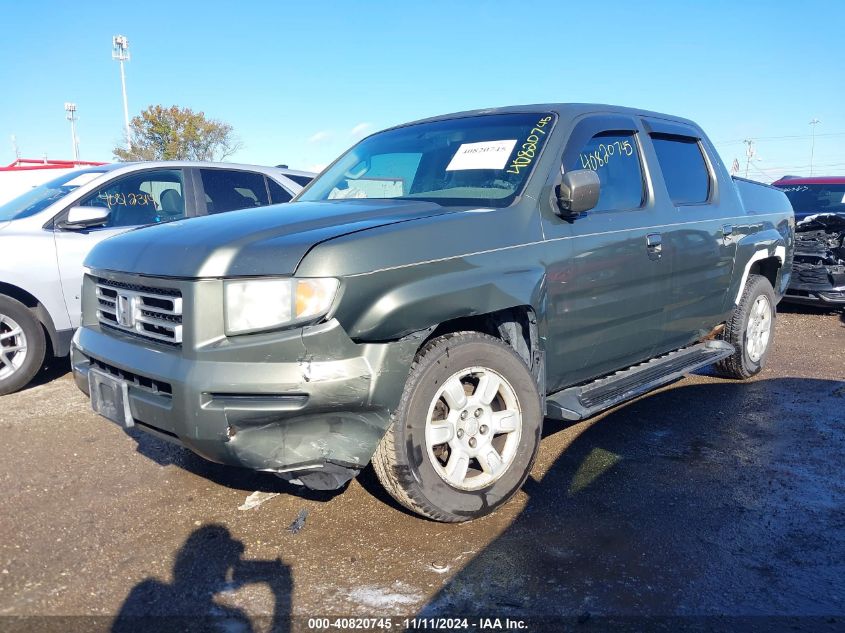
point(813, 125)
point(749, 153)
point(120, 52)
point(70, 108)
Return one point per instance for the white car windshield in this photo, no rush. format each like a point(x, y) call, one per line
point(41, 197)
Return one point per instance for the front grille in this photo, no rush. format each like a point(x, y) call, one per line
point(152, 385)
point(151, 313)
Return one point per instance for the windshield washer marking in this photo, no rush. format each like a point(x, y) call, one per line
point(525, 156)
point(602, 155)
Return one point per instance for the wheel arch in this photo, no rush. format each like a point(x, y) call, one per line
point(38, 310)
point(516, 326)
point(763, 254)
point(767, 267)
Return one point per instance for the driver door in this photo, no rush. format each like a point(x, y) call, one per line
point(134, 200)
point(606, 286)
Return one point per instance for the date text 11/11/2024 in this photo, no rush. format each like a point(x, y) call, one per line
point(417, 624)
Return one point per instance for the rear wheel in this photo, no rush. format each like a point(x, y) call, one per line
point(22, 345)
point(750, 330)
point(466, 431)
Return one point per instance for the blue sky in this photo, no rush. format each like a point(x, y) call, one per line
point(301, 81)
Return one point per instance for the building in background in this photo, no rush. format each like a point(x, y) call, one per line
point(25, 173)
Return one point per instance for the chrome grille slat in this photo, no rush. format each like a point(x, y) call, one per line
point(147, 312)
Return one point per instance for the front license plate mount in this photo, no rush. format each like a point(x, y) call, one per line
point(110, 398)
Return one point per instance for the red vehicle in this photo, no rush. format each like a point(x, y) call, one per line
point(818, 269)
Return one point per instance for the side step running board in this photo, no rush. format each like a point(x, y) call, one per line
point(578, 403)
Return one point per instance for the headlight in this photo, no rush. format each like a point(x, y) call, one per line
point(264, 304)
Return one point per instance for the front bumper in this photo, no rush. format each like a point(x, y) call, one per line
point(817, 298)
point(825, 292)
point(315, 401)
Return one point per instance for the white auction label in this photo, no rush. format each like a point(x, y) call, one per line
point(484, 155)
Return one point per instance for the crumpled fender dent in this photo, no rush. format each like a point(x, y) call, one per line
point(351, 392)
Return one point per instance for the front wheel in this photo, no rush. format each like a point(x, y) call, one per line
point(22, 345)
point(466, 431)
point(750, 330)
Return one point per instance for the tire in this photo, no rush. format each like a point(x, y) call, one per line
point(749, 360)
point(461, 479)
point(19, 329)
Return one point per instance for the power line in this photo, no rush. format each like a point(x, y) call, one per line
point(805, 166)
point(778, 138)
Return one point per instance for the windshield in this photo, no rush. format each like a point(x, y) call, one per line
point(481, 160)
point(43, 196)
point(811, 199)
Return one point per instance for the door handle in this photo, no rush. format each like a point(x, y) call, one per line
point(654, 244)
point(727, 231)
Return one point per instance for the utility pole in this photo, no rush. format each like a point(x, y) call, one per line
point(749, 153)
point(70, 108)
point(15, 147)
point(120, 53)
point(813, 125)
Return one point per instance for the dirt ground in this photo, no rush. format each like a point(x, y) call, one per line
point(706, 498)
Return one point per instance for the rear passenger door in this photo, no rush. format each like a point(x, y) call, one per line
point(606, 285)
point(698, 241)
point(225, 190)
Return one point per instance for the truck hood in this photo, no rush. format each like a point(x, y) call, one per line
point(258, 242)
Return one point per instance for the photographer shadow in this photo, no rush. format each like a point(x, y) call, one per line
point(209, 564)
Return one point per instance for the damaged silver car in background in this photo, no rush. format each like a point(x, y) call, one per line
point(818, 270)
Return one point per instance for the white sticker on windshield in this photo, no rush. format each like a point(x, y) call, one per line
point(82, 179)
point(484, 155)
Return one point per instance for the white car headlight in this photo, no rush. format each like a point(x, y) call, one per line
point(263, 304)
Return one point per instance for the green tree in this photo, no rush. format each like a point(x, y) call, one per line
point(175, 133)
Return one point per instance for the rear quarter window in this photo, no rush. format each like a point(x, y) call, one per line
point(684, 169)
point(300, 180)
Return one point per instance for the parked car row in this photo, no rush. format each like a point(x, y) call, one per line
point(428, 299)
point(46, 233)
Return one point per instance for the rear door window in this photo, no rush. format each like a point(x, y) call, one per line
point(232, 190)
point(684, 168)
point(615, 157)
point(147, 197)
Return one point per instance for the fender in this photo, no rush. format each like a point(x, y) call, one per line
point(59, 339)
point(754, 248)
point(391, 304)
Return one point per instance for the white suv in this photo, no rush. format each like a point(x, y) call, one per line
point(46, 233)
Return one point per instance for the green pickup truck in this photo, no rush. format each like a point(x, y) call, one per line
point(440, 289)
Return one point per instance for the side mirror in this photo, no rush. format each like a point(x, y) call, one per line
point(85, 217)
point(578, 192)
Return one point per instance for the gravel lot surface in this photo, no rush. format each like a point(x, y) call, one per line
point(706, 497)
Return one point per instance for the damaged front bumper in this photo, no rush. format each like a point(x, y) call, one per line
point(313, 410)
point(818, 270)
